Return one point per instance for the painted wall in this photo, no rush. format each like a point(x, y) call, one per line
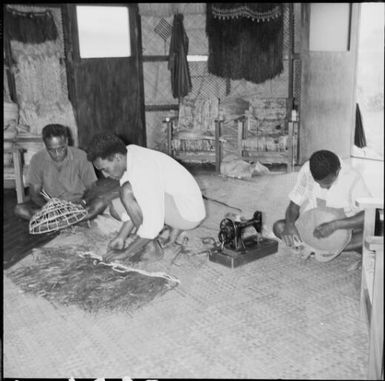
point(327, 94)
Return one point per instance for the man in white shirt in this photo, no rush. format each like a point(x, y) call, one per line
point(155, 190)
point(325, 181)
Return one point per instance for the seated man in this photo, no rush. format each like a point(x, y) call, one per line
point(155, 190)
point(61, 171)
point(324, 181)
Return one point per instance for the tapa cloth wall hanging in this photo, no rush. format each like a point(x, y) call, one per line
point(40, 72)
point(30, 27)
point(245, 40)
point(40, 86)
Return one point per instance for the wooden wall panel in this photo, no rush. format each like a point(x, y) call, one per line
point(107, 93)
point(327, 94)
point(110, 102)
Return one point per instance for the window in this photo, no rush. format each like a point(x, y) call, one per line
point(370, 79)
point(329, 26)
point(197, 58)
point(103, 31)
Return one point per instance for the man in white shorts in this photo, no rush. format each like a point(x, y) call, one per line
point(155, 190)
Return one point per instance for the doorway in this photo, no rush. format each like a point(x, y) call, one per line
point(103, 63)
point(370, 82)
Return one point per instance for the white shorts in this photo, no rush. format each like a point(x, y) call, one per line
point(172, 214)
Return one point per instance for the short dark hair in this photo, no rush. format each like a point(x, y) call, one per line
point(323, 163)
point(54, 130)
point(105, 146)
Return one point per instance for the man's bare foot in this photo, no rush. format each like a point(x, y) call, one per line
point(163, 236)
point(152, 252)
point(158, 251)
point(172, 237)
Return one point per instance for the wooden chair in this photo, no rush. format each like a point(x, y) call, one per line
point(372, 285)
point(16, 174)
point(22, 149)
point(190, 139)
point(270, 139)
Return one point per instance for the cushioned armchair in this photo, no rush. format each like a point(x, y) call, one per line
point(194, 135)
point(266, 135)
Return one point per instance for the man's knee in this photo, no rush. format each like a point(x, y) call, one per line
point(19, 208)
point(355, 243)
point(23, 211)
point(278, 228)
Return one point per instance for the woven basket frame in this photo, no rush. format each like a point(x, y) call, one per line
point(55, 215)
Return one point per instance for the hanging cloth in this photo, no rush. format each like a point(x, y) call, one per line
point(245, 40)
point(359, 133)
point(170, 9)
point(30, 27)
point(177, 61)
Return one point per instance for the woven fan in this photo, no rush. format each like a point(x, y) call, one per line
point(325, 249)
point(164, 30)
point(56, 214)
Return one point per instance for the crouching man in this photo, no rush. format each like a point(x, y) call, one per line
point(155, 191)
point(324, 181)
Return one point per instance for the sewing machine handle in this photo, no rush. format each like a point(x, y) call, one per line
point(256, 222)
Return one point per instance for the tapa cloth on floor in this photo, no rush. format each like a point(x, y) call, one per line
point(64, 277)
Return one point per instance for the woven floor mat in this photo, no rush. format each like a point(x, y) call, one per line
point(278, 317)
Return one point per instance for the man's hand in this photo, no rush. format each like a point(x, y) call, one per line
point(115, 249)
point(128, 247)
point(36, 196)
point(115, 256)
point(97, 206)
point(290, 235)
point(118, 243)
point(325, 229)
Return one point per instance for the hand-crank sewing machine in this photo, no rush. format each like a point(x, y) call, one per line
point(236, 247)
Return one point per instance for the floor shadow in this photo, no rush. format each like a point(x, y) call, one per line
point(17, 242)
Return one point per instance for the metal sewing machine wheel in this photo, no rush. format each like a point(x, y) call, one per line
point(238, 248)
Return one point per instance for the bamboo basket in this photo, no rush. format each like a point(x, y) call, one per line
point(55, 215)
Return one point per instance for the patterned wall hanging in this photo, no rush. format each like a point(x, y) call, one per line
point(39, 68)
point(245, 40)
point(30, 27)
point(170, 9)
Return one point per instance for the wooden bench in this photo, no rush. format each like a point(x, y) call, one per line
point(372, 286)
